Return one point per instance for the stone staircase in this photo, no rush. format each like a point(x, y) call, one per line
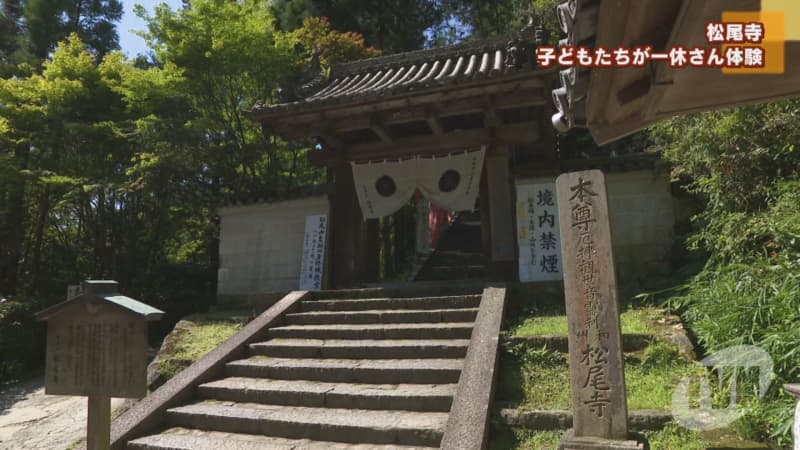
point(340, 373)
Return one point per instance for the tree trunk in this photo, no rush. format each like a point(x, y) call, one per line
point(42, 213)
point(9, 263)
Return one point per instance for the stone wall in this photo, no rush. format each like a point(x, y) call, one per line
point(261, 246)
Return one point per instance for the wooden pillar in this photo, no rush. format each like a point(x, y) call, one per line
point(346, 224)
point(503, 263)
point(486, 225)
point(98, 426)
point(370, 251)
point(549, 139)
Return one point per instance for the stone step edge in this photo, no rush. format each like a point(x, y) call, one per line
point(438, 289)
point(373, 326)
point(415, 301)
point(402, 396)
point(223, 383)
point(549, 420)
point(361, 348)
point(169, 436)
point(380, 311)
point(298, 422)
point(302, 342)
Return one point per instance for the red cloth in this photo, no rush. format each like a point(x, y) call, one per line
point(438, 219)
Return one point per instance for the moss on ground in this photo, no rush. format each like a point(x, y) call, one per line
point(633, 321)
point(539, 379)
point(672, 437)
point(210, 330)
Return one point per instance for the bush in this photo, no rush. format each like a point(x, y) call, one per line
point(744, 164)
point(22, 339)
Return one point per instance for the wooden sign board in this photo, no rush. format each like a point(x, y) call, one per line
point(590, 285)
point(96, 349)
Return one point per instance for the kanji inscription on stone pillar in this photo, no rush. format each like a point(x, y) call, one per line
point(595, 344)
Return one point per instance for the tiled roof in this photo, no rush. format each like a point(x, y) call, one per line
point(415, 71)
point(578, 20)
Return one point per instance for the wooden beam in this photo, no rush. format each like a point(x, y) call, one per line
point(490, 117)
point(420, 145)
point(380, 130)
point(321, 158)
point(517, 133)
point(331, 141)
point(432, 117)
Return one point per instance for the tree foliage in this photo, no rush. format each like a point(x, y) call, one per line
point(114, 168)
point(389, 25)
point(49, 21)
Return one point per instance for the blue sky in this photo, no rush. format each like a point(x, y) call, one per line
point(130, 43)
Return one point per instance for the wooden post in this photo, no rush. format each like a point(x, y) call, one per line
point(345, 221)
point(501, 215)
point(98, 426)
point(370, 251)
point(486, 227)
point(596, 361)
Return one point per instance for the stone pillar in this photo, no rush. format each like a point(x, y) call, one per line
point(595, 341)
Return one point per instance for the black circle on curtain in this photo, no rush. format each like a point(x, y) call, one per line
point(386, 186)
point(449, 180)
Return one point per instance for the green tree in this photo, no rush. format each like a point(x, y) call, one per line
point(49, 21)
point(389, 25)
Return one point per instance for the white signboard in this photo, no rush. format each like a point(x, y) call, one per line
point(538, 234)
point(312, 267)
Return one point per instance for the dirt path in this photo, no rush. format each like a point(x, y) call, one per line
point(29, 419)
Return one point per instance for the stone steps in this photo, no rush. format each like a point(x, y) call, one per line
point(407, 397)
point(361, 348)
point(346, 370)
point(384, 371)
point(190, 439)
point(456, 301)
point(382, 316)
point(324, 424)
point(442, 330)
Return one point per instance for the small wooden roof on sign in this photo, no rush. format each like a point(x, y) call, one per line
point(105, 290)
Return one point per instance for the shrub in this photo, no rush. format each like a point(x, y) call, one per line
point(22, 339)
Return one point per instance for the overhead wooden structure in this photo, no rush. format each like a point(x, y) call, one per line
point(616, 102)
point(483, 93)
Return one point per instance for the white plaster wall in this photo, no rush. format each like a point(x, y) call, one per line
point(643, 217)
point(643, 220)
point(261, 246)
